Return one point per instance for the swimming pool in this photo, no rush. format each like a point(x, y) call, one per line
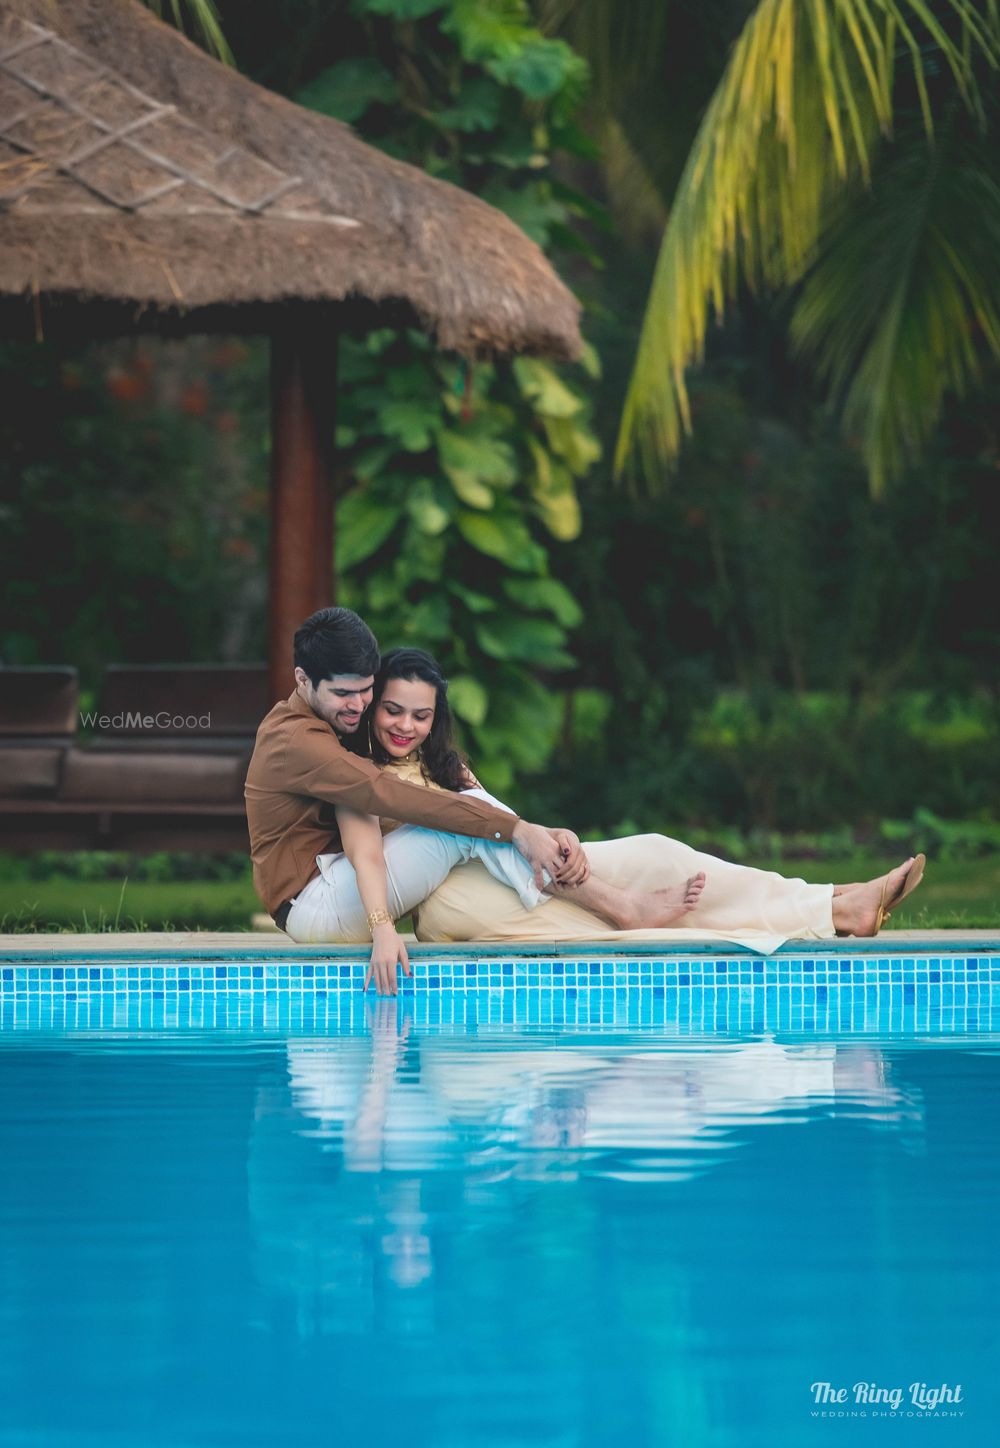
point(633, 1212)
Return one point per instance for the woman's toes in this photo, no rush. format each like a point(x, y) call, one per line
point(695, 885)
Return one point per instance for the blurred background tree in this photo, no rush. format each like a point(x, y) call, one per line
point(744, 635)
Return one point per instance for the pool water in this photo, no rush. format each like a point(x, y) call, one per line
point(401, 1231)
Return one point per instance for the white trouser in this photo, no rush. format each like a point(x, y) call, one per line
point(417, 860)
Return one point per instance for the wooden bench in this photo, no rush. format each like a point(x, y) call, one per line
point(163, 766)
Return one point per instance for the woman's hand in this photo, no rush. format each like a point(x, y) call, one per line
point(577, 867)
point(387, 950)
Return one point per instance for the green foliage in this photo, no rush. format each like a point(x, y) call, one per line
point(165, 866)
point(441, 547)
point(776, 762)
point(943, 839)
point(796, 132)
point(346, 90)
point(202, 17)
point(457, 481)
point(796, 756)
point(134, 512)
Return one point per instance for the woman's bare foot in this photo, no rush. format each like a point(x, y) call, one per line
point(630, 910)
point(855, 909)
point(661, 908)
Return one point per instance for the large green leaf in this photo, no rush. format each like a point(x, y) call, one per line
point(383, 590)
point(573, 442)
point(363, 524)
point(371, 462)
point(539, 68)
point(505, 538)
point(516, 637)
point(471, 491)
point(474, 602)
point(347, 89)
point(521, 728)
point(485, 458)
point(468, 698)
point(476, 108)
point(553, 490)
point(561, 514)
point(414, 382)
point(548, 594)
point(532, 208)
point(427, 620)
point(425, 509)
point(486, 32)
point(544, 387)
point(410, 422)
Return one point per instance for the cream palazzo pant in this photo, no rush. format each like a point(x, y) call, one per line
point(476, 890)
point(757, 908)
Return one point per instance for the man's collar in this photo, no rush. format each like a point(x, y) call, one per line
point(298, 705)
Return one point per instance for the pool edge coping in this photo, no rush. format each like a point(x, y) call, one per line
point(227, 946)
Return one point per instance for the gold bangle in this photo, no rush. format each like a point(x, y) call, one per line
point(378, 917)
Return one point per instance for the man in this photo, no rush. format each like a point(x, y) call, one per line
point(301, 770)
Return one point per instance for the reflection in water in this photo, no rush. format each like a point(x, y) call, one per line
point(378, 1146)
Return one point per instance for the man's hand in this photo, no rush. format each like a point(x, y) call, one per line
point(387, 950)
point(541, 849)
point(576, 866)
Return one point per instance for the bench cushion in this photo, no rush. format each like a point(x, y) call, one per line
point(29, 770)
point(108, 777)
point(37, 701)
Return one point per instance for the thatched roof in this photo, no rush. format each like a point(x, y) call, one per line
point(141, 178)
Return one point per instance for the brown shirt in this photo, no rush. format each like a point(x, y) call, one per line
point(300, 771)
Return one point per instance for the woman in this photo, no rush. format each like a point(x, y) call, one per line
point(648, 884)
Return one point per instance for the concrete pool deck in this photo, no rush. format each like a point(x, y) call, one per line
point(250, 945)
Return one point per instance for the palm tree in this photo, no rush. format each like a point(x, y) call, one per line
point(200, 16)
point(848, 155)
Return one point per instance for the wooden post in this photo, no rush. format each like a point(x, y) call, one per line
point(303, 419)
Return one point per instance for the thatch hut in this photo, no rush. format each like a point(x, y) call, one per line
point(146, 187)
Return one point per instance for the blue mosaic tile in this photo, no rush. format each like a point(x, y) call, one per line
point(902, 981)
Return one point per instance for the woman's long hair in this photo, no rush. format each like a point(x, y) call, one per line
point(440, 760)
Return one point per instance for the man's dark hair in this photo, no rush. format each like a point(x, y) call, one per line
point(335, 641)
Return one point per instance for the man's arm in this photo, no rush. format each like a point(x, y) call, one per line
point(314, 763)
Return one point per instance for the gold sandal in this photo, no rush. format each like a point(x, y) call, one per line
point(911, 880)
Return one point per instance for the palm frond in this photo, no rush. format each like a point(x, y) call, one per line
point(797, 119)
point(654, 65)
point(203, 18)
point(634, 196)
point(904, 301)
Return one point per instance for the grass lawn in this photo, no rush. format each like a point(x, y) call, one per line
point(88, 905)
point(955, 894)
